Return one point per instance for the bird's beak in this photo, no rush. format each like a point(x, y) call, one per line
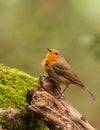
point(49, 50)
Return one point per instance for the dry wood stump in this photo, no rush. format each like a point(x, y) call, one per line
point(48, 104)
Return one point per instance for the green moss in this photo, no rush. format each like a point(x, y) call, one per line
point(39, 125)
point(29, 122)
point(13, 88)
point(2, 121)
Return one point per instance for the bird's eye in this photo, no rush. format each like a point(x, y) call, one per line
point(46, 64)
point(56, 53)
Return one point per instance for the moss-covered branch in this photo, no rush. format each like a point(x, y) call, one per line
point(13, 106)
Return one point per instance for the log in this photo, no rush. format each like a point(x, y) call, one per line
point(49, 105)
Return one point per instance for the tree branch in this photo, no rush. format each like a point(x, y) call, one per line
point(52, 108)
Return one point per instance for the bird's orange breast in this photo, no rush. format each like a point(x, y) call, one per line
point(50, 57)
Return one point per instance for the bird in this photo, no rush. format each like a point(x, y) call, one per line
point(61, 72)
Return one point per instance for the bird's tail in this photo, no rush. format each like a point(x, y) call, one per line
point(87, 91)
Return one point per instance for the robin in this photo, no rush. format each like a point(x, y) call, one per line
point(60, 71)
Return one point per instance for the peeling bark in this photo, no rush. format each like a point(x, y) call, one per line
point(52, 108)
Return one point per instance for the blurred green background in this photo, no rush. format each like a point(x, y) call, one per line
point(28, 27)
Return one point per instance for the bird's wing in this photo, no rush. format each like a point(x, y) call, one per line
point(66, 71)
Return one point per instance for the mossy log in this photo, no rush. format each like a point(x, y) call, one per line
point(14, 114)
point(42, 105)
point(51, 107)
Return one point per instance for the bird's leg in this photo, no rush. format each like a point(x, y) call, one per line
point(64, 89)
point(58, 88)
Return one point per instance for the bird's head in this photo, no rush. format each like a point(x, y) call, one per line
point(52, 56)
